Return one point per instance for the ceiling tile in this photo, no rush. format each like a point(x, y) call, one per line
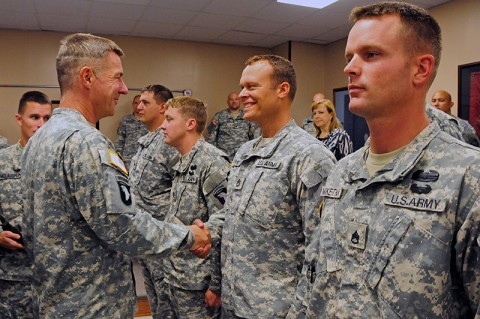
point(110, 26)
point(70, 7)
point(26, 6)
point(303, 31)
point(64, 23)
point(283, 12)
point(122, 11)
point(199, 33)
point(157, 30)
point(136, 2)
point(260, 26)
point(241, 8)
point(18, 20)
point(166, 15)
point(271, 41)
point(197, 5)
point(215, 21)
point(241, 37)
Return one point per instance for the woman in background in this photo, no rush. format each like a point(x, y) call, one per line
point(329, 130)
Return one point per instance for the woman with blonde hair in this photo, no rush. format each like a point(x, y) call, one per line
point(329, 130)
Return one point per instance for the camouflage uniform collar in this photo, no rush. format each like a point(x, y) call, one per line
point(148, 138)
point(184, 163)
point(240, 112)
point(71, 113)
point(398, 168)
point(269, 148)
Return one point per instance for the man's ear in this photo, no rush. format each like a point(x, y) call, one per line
point(18, 118)
point(425, 65)
point(283, 89)
point(191, 124)
point(86, 76)
point(162, 108)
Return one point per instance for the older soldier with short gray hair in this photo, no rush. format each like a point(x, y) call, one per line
point(81, 220)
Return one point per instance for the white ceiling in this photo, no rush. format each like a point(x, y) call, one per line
point(263, 23)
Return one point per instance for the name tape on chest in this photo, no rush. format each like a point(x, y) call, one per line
point(268, 164)
point(332, 192)
point(116, 161)
point(190, 179)
point(10, 176)
point(416, 202)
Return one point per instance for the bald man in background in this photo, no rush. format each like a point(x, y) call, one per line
point(442, 100)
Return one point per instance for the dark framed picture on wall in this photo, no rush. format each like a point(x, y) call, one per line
point(469, 94)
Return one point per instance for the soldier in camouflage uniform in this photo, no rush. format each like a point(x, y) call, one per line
point(198, 192)
point(81, 221)
point(128, 133)
point(3, 142)
point(34, 110)
point(446, 122)
point(229, 130)
point(151, 176)
point(399, 229)
point(273, 194)
point(307, 123)
point(442, 100)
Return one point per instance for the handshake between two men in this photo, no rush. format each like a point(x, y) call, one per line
point(203, 241)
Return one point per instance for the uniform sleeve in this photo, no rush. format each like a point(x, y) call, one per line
point(467, 251)
point(106, 204)
point(215, 284)
point(215, 192)
point(3, 142)
point(315, 172)
point(121, 136)
point(213, 130)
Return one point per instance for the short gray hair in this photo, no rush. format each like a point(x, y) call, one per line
point(79, 50)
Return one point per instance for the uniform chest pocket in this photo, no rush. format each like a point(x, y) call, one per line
point(186, 205)
point(407, 260)
point(264, 198)
point(139, 169)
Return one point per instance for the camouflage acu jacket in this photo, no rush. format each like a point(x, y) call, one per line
point(14, 264)
point(270, 212)
point(82, 224)
point(403, 243)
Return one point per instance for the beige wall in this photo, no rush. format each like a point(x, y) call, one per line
point(213, 70)
point(309, 62)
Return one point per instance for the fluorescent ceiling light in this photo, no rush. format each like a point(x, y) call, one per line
point(319, 4)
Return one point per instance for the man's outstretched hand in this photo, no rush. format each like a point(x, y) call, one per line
point(203, 243)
